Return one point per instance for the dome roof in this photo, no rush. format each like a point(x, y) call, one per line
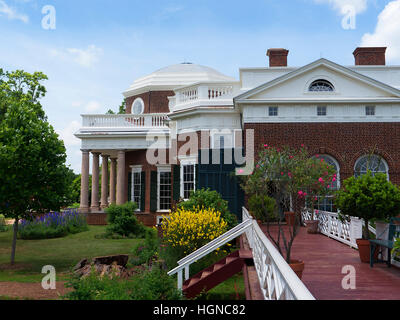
point(174, 76)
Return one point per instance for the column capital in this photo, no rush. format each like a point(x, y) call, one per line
point(85, 150)
point(96, 153)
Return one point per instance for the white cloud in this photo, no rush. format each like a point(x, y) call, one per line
point(12, 13)
point(387, 31)
point(342, 5)
point(92, 106)
point(67, 134)
point(84, 57)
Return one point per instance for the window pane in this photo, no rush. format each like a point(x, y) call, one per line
point(136, 188)
point(165, 190)
point(188, 180)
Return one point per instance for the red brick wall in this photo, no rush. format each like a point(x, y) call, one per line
point(154, 101)
point(346, 142)
point(96, 219)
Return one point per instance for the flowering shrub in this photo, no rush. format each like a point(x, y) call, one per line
point(185, 231)
point(53, 225)
point(206, 198)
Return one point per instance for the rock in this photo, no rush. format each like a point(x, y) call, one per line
point(111, 266)
point(120, 260)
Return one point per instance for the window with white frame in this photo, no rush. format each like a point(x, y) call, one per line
point(373, 163)
point(138, 106)
point(137, 186)
point(326, 203)
point(321, 86)
point(273, 111)
point(188, 178)
point(370, 110)
point(321, 111)
point(164, 188)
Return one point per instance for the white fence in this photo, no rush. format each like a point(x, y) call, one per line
point(144, 121)
point(277, 280)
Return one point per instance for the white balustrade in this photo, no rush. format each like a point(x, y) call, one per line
point(277, 280)
point(203, 92)
point(346, 231)
point(144, 121)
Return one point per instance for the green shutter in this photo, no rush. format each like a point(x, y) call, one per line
point(177, 183)
point(153, 191)
point(130, 186)
point(143, 192)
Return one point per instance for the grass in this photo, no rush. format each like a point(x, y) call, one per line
point(62, 253)
point(231, 289)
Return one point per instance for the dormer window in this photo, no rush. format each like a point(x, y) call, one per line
point(321, 86)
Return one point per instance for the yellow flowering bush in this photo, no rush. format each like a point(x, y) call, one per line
point(189, 230)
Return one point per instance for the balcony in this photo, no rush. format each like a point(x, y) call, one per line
point(124, 122)
point(204, 94)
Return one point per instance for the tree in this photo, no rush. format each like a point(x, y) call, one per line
point(33, 174)
point(22, 86)
point(285, 174)
point(121, 108)
point(367, 197)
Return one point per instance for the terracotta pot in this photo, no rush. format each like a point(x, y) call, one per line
point(297, 266)
point(312, 226)
point(364, 250)
point(290, 218)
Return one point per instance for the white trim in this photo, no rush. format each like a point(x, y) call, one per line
point(222, 132)
point(162, 169)
point(136, 169)
point(142, 105)
point(189, 161)
point(377, 155)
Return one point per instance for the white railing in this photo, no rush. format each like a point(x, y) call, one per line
point(277, 279)
point(206, 93)
point(143, 121)
point(347, 231)
point(184, 264)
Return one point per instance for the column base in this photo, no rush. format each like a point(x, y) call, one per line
point(84, 210)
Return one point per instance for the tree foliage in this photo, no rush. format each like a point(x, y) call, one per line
point(368, 197)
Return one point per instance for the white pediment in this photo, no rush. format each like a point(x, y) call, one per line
point(348, 84)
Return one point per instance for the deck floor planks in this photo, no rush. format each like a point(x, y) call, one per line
point(324, 259)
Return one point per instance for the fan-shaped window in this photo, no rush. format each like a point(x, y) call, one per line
point(321, 86)
point(138, 106)
point(373, 163)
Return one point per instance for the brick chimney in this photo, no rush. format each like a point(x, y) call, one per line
point(370, 56)
point(277, 57)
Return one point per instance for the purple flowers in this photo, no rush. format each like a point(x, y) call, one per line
point(53, 224)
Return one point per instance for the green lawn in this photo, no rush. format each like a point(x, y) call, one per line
point(231, 289)
point(62, 253)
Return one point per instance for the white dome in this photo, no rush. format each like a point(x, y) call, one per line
point(175, 76)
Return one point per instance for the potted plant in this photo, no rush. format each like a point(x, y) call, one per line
point(279, 174)
point(368, 197)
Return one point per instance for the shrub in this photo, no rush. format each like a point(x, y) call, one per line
point(396, 249)
point(123, 222)
point(208, 199)
point(263, 208)
point(146, 250)
point(53, 225)
point(185, 231)
point(368, 196)
point(148, 285)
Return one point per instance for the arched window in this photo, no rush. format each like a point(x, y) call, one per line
point(321, 85)
point(326, 203)
point(373, 163)
point(138, 106)
point(332, 162)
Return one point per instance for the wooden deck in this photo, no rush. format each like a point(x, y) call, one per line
point(324, 259)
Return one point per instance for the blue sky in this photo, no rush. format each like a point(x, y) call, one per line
point(99, 47)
